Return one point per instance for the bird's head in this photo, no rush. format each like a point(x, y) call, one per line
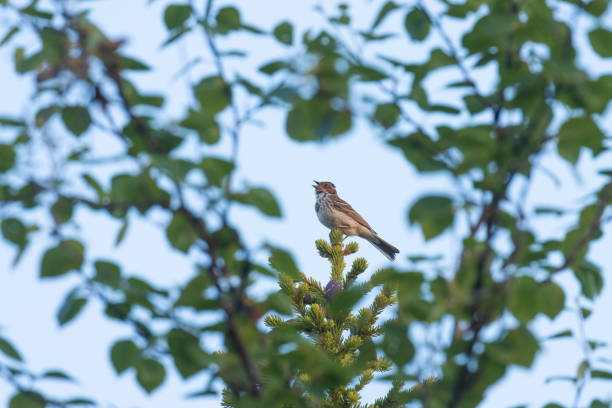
point(324, 187)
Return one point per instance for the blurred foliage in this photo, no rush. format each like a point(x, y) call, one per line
point(320, 346)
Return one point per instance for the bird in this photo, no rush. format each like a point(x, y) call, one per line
point(335, 213)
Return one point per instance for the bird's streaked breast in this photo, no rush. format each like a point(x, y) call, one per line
point(323, 210)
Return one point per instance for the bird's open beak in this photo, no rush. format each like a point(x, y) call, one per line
point(316, 184)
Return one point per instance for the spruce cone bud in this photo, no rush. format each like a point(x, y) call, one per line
point(306, 297)
point(332, 288)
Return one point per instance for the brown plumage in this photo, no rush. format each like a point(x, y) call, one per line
point(335, 213)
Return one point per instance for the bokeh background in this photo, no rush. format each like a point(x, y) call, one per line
point(375, 179)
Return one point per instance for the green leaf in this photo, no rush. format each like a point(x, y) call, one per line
point(577, 133)
point(124, 354)
point(324, 371)
point(175, 15)
point(44, 114)
point(15, 232)
point(278, 302)
point(409, 283)
point(601, 41)
point(593, 96)
point(66, 256)
point(345, 300)
point(10, 121)
point(28, 63)
point(204, 124)
point(443, 108)
point(368, 36)
point(133, 64)
point(553, 299)
point(93, 183)
point(433, 213)
point(27, 399)
point(228, 19)
point(62, 210)
point(585, 312)
point(560, 335)
point(150, 374)
point(384, 11)
point(107, 273)
point(419, 96)
point(213, 94)
point(175, 35)
point(474, 104)
point(283, 262)
point(417, 25)
point(249, 86)
point(76, 119)
point(7, 37)
point(7, 157)
point(260, 198)
point(181, 232)
point(9, 350)
point(80, 401)
point(136, 99)
point(594, 344)
point(606, 375)
point(386, 114)
point(122, 231)
point(176, 169)
point(273, 67)
point(73, 304)
point(596, 8)
point(216, 169)
point(517, 347)
point(192, 294)
point(525, 299)
point(189, 358)
point(143, 138)
point(284, 33)
point(549, 211)
point(55, 45)
point(589, 276)
point(368, 74)
point(118, 311)
point(139, 191)
point(57, 375)
point(31, 10)
point(396, 344)
point(315, 119)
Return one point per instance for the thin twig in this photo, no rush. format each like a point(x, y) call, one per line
point(581, 382)
point(590, 234)
point(455, 55)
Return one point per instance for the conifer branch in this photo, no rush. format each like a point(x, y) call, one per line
point(332, 326)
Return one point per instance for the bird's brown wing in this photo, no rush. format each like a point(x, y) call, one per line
point(346, 208)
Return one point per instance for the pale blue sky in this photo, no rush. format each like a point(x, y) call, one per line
point(375, 179)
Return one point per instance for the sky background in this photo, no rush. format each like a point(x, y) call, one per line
point(375, 179)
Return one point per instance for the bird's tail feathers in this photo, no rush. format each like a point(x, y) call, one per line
point(384, 247)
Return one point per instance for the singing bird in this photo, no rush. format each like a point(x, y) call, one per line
point(334, 212)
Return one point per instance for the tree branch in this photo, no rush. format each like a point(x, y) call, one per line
point(458, 60)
